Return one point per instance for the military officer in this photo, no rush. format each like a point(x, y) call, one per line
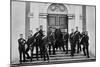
point(72, 42)
point(66, 37)
point(84, 41)
point(77, 37)
point(59, 39)
point(40, 39)
point(45, 45)
point(50, 39)
point(21, 42)
point(35, 43)
point(29, 43)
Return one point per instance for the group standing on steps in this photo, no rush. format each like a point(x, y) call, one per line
point(48, 45)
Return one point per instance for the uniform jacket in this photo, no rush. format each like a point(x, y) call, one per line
point(58, 34)
point(72, 38)
point(77, 35)
point(66, 36)
point(85, 39)
point(50, 36)
point(21, 42)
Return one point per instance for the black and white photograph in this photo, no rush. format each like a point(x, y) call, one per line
point(45, 33)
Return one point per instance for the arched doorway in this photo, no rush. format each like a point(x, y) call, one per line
point(57, 16)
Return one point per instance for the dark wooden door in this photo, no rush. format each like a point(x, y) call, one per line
point(58, 20)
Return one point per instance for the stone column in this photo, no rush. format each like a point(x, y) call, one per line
point(84, 17)
point(27, 20)
point(77, 9)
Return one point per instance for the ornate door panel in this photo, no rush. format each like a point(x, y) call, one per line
point(63, 20)
point(51, 20)
point(58, 20)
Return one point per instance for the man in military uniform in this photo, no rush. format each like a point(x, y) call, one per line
point(50, 40)
point(21, 42)
point(44, 47)
point(77, 37)
point(59, 39)
point(40, 39)
point(84, 41)
point(72, 42)
point(66, 37)
point(29, 43)
point(35, 42)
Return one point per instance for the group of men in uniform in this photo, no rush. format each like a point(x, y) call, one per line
point(38, 40)
point(52, 42)
point(77, 40)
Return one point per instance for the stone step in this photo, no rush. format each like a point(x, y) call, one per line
point(67, 57)
point(60, 60)
point(60, 56)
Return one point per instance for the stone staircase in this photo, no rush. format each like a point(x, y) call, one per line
point(60, 57)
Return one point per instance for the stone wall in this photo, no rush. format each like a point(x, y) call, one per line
point(18, 27)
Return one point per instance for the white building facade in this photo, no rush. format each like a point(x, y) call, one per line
point(28, 16)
